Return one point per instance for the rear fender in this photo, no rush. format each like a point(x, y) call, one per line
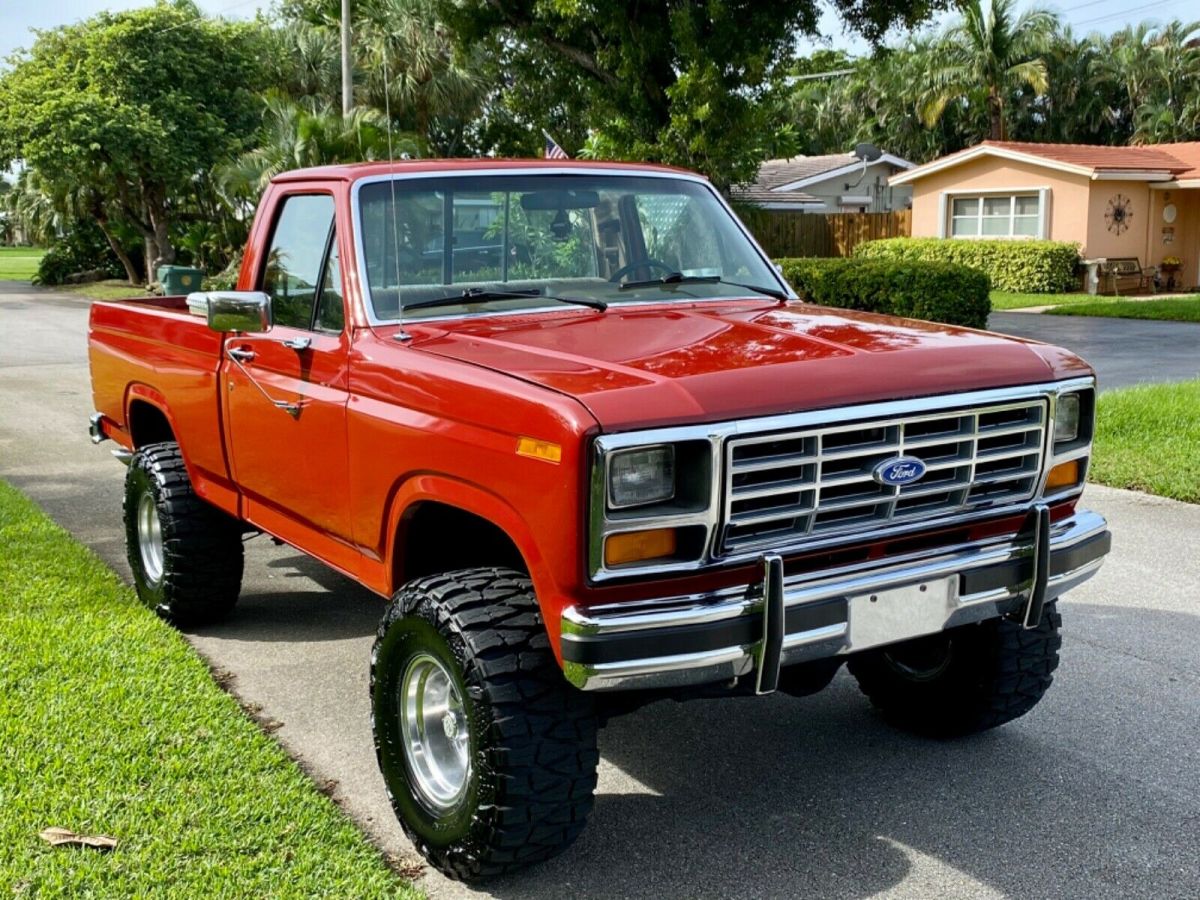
point(206, 487)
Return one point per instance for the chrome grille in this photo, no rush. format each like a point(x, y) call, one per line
point(819, 482)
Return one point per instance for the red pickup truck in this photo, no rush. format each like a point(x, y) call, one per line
point(572, 422)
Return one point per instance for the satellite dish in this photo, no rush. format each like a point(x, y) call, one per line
point(868, 153)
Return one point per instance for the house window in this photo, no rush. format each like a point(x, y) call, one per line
point(995, 216)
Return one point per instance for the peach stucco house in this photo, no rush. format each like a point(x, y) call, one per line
point(1141, 202)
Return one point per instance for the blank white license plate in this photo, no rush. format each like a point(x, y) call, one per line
point(885, 617)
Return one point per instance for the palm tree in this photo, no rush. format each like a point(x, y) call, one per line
point(410, 67)
point(1156, 68)
point(990, 53)
point(309, 64)
point(310, 133)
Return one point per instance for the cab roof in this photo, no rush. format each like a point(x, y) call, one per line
point(356, 171)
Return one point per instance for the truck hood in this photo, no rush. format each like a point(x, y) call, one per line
point(667, 364)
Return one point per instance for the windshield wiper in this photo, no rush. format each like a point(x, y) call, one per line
point(680, 278)
point(482, 295)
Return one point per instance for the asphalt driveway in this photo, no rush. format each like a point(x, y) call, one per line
point(1123, 351)
point(1094, 794)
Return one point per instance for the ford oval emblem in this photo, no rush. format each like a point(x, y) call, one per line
point(899, 471)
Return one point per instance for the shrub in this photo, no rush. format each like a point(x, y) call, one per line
point(1026, 267)
point(227, 278)
point(83, 248)
point(802, 272)
point(940, 292)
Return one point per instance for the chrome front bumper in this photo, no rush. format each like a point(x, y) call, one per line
point(781, 620)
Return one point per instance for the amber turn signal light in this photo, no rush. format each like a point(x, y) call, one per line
point(535, 449)
point(634, 546)
point(1063, 475)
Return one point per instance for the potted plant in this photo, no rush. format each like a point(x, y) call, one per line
point(1170, 267)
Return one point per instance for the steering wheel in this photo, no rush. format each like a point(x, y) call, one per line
point(638, 264)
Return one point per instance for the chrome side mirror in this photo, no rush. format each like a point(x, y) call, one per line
point(247, 311)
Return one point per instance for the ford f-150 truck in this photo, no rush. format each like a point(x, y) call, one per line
point(570, 420)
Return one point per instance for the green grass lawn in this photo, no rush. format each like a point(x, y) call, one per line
point(1002, 300)
point(111, 724)
point(19, 263)
point(1176, 309)
point(1148, 439)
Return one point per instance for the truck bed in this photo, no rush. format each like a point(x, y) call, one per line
point(151, 359)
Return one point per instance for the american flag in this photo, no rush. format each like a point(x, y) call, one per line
point(553, 151)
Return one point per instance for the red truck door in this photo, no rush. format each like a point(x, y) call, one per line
point(286, 401)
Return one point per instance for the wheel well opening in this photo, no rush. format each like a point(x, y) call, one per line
point(436, 538)
point(148, 424)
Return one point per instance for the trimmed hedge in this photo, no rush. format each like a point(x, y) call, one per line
point(939, 292)
point(1024, 267)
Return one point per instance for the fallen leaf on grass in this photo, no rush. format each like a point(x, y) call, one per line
point(409, 867)
point(328, 787)
point(59, 837)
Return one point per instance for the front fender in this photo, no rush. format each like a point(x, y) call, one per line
point(493, 508)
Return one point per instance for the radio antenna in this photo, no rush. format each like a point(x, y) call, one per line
point(400, 335)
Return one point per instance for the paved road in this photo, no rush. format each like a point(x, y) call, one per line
point(1123, 351)
point(1092, 795)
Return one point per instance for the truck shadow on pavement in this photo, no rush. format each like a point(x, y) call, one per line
point(1086, 797)
point(817, 797)
point(303, 601)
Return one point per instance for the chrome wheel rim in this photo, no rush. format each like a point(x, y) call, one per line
point(150, 542)
point(436, 733)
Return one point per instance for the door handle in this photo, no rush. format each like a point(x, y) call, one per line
point(299, 344)
point(245, 354)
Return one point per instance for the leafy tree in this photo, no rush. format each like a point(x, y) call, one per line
point(696, 84)
point(1139, 85)
point(131, 108)
point(994, 51)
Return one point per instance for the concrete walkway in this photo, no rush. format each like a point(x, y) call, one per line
point(1092, 795)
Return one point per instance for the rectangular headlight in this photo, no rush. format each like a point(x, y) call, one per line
point(641, 476)
point(1066, 418)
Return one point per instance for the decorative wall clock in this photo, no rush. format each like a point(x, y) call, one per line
point(1118, 214)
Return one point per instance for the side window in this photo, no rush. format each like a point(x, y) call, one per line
point(331, 311)
point(294, 261)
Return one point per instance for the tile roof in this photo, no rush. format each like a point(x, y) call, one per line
point(1092, 156)
point(755, 194)
point(775, 173)
point(1178, 160)
point(1187, 153)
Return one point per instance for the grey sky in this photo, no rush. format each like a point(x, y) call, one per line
point(1084, 17)
point(18, 16)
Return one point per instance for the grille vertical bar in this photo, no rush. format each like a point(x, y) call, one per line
point(781, 487)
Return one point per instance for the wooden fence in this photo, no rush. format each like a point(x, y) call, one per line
point(785, 233)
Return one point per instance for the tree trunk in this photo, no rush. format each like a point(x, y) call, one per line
point(995, 106)
point(160, 222)
point(101, 216)
point(131, 272)
point(150, 252)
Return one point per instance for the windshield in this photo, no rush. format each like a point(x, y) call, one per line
point(507, 242)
